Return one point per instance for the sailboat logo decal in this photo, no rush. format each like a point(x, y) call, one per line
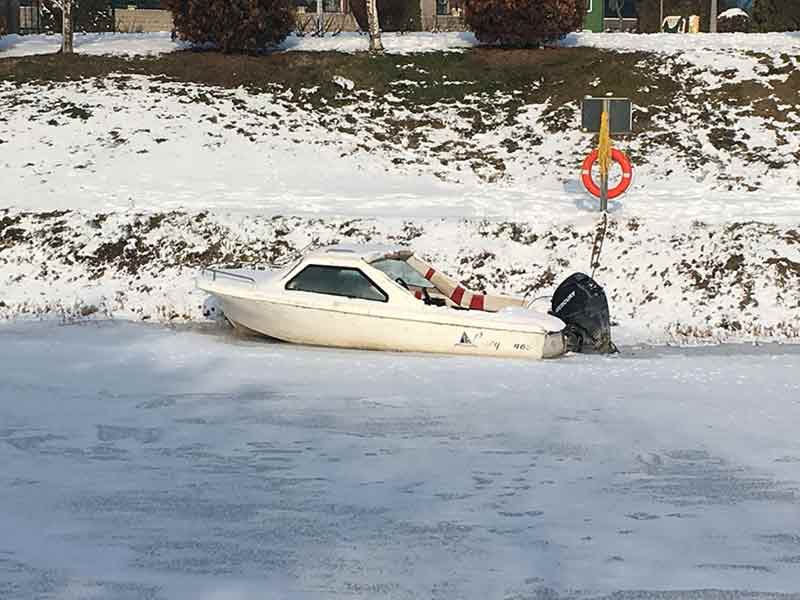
point(465, 341)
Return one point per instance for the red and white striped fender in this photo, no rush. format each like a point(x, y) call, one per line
point(457, 293)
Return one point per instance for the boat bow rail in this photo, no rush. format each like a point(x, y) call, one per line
point(212, 274)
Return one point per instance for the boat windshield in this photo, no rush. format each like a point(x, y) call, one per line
point(395, 268)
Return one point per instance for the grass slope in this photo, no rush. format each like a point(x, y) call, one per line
point(678, 113)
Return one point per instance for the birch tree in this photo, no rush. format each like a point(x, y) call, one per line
point(66, 24)
point(66, 28)
point(375, 43)
point(714, 14)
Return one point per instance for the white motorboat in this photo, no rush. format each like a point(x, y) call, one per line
point(386, 298)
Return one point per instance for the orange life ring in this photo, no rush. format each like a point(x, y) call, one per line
point(627, 173)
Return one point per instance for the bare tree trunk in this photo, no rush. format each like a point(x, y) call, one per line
point(375, 43)
point(66, 27)
point(713, 24)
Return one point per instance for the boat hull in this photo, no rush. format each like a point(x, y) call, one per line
point(338, 326)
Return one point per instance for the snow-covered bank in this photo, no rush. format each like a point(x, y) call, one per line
point(740, 56)
point(663, 43)
point(96, 44)
point(768, 43)
point(153, 44)
point(667, 282)
point(149, 44)
point(121, 141)
point(167, 465)
point(394, 43)
point(152, 146)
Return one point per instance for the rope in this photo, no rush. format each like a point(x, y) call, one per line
point(597, 247)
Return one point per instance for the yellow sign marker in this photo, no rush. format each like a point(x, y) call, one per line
point(605, 146)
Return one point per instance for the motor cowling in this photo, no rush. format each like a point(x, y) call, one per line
point(582, 305)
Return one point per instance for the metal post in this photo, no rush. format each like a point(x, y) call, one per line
point(661, 21)
point(603, 172)
point(320, 19)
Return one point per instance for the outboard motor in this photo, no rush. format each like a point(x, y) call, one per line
point(581, 303)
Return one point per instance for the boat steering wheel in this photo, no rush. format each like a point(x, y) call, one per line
point(426, 297)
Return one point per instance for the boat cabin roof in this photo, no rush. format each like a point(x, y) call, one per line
point(346, 253)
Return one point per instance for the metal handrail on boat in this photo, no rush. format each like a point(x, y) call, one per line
point(221, 273)
point(285, 260)
point(294, 254)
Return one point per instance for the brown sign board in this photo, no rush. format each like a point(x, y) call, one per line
point(620, 113)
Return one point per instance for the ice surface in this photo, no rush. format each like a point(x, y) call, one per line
point(140, 462)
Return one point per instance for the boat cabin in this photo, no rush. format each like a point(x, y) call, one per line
point(376, 273)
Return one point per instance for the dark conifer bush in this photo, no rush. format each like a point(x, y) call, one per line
point(738, 23)
point(521, 23)
point(776, 15)
point(233, 25)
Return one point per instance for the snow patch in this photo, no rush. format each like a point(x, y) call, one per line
point(120, 44)
point(344, 83)
point(732, 13)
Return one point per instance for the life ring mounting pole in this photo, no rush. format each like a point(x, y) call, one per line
point(606, 116)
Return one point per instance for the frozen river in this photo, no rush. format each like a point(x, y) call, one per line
point(145, 463)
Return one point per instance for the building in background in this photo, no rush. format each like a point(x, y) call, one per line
point(24, 16)
point(30, 16)
point(593, 21)
point(137, 16)
point(442, 15)
point(9, 16)
point(603, 15)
